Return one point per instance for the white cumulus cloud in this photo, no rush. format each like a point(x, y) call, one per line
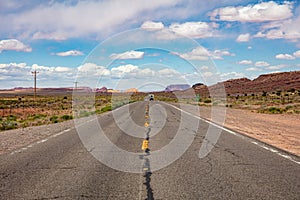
point(19, 74)
point(62, 69)
point(128, 55)
point(168, 72)
point(243, 38)
point(287, 29)
point(262, 64)
point(231, 75)
point(261, 12)
point(201, 53)
point(253, 69)
point(285, 57)
point(245, 62)
point(218, 54)
point(124, 70)
point(297, 54)
point(14, 45)
point(70, 53)
point(276, 67)
point(150, 25)
point(72, 19)
point(93, 69)
point(204, 67)
point(195, 29)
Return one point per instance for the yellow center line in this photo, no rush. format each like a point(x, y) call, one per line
point(145, 144)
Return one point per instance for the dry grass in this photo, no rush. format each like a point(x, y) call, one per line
point(21, 112)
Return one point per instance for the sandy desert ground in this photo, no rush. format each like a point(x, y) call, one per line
point(279, 130)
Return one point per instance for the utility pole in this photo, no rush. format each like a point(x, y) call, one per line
point(76, 83)
point(34, 74)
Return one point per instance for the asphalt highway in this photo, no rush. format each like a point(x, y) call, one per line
point(83, 166)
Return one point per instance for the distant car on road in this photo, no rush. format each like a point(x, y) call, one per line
point(151, 97)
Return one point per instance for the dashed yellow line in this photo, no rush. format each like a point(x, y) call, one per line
point(145, 144)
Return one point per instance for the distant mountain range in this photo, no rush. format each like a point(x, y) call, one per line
point(264, 83)
point(177, 87)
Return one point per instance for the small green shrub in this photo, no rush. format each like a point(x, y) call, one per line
point(11, 118)
point(292, 90)
point(288, 107)
point(8, 125)
point(278, 93)
point(106, 108)
point(66, 117)
point(264, 94)
point(207, 101)
point(275, 110)
point(38, 116)
point(54, 119)
point(85, 113)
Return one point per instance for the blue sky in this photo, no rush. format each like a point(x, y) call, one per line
point(145, 44)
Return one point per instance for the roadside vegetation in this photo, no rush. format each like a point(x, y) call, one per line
point(24, 111)
point(277, 102)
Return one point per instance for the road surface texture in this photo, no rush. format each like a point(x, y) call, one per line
point(62, 168)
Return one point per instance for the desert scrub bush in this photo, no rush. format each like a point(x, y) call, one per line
point(119, 104)
point(36, 117)
point(207, 101)
point(66, 117)
point(275, 110)
point(106, 108)
point(85, 113)
point(54, 119)
point(132, 101)
point(264, 94)
point(8, 125)
point(39, 116)
point(12, 118)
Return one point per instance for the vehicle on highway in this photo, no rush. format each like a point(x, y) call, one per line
point(151, 97)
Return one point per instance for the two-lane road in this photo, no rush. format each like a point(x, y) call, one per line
point(63, 168)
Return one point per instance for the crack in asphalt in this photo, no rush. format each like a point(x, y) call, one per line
point(231, 152)
point(146, 166)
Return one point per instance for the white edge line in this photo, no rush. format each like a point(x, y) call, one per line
point(40, 141)
point(239, 135)
point(46, 139)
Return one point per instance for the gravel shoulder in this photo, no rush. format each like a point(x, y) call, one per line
point(17, 138)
